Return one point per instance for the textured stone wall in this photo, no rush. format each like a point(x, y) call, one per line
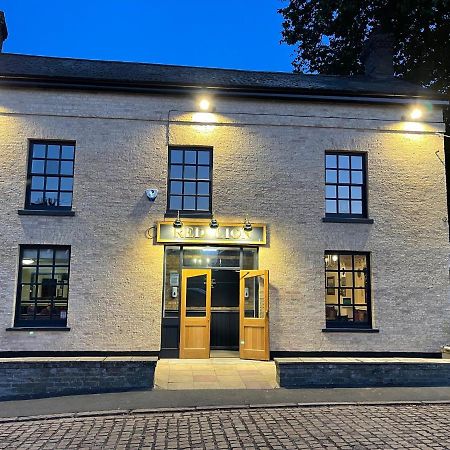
point(45, 377)
point(269, 165)
point(362, 373)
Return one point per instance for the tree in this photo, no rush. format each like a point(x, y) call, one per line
point(330, 35)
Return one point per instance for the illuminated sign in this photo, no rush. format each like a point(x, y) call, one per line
point(201, 233)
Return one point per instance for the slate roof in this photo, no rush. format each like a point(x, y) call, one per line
point(113, 73)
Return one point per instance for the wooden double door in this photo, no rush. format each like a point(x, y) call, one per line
point(195, 323)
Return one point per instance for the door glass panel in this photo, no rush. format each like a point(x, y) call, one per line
point(172, 278)
point(196, 296)
point(211, 257)
point(250, 258)
point(254, 297)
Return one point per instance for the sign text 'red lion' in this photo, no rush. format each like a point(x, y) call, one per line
point(201, 233)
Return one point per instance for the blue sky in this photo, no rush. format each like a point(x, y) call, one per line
point(242, 34)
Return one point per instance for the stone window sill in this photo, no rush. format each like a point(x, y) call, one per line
point(38, 329)
point(346, 220)
point(350, 330)
point(45, 212)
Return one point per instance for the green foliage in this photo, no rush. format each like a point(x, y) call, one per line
point(329, 35)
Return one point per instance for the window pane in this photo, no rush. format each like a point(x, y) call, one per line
point(344, 207)
point(345, 262)
point(344, 176)
point(331, 263)
point(53, 152)
point(356, 162)
point(66, 168)
point(196, 296)
point(203, 188)
point(331, 312)
point(203, 203)
point(203, 157)
point(30, 254)
point(357, 177)
point(61, 274)
point(356, 207)
point(37, 166)
point(344, 192)
point(360, 279)
point(189, 188)
point(176, 171)
point(330, 161)
point(38, 151)
point(203, 172)
point(175, 202)
point(188, 202)
point(37, 198)
point(330, 206)
point(62, 257)
point(52, 183)
point(51, 198)
point(176, 156)
point(52, 167)
point(37, 183)
point(330, 191)
point(346, 278)
point(176, 187)
point(29, 274)
point(344, 162)
point(67, 152)
point(190, 157)
point(356, 192)
point(27, 292)
point(65, 199)
point(331, 176)
point(190, 172)
point(66, 184)
point(45, 274)
point(361, 314)
point(360, 262)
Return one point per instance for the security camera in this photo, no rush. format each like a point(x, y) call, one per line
point(151, 194)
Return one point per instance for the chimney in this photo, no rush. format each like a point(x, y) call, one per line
point(378, 55)
point(3, 30)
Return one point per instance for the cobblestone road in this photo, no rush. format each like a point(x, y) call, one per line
point(343, 427)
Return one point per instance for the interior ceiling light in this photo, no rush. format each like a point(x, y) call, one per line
point(27, 261)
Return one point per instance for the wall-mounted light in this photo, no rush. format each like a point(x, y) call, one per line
point(177, 223)
point(205, 104)
point(213, 223)
point(415, 113)
point(247, 225)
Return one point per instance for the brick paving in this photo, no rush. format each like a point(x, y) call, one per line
point(354, 427)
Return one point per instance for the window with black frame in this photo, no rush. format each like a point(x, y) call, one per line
point(345, 185)
point(189, 183)
point(43, 286)
point(347, 290)
point(50, 175)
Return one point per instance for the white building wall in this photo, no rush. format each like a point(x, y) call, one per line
point(269, 165)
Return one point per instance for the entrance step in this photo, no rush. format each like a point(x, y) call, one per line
point(215, 373)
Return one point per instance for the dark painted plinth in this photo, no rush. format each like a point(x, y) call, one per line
point(23, 378)
point(294, 373)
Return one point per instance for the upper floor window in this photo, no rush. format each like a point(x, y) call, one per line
point(43, 286)
point(50, 175)
point(190, 173)
point(345, 184)
point(347, 290)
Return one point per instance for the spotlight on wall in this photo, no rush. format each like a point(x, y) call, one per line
point(213, 223)
point(247, 225)
point(415, 113)
point(177, 223)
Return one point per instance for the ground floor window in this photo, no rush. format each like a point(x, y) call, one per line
point(43, 286)
point(347, 290)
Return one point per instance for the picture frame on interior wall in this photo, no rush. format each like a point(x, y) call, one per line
point(330, 285)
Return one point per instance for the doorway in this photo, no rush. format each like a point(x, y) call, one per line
point(236, 318)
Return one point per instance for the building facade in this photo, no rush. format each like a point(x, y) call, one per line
point(319, 193)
